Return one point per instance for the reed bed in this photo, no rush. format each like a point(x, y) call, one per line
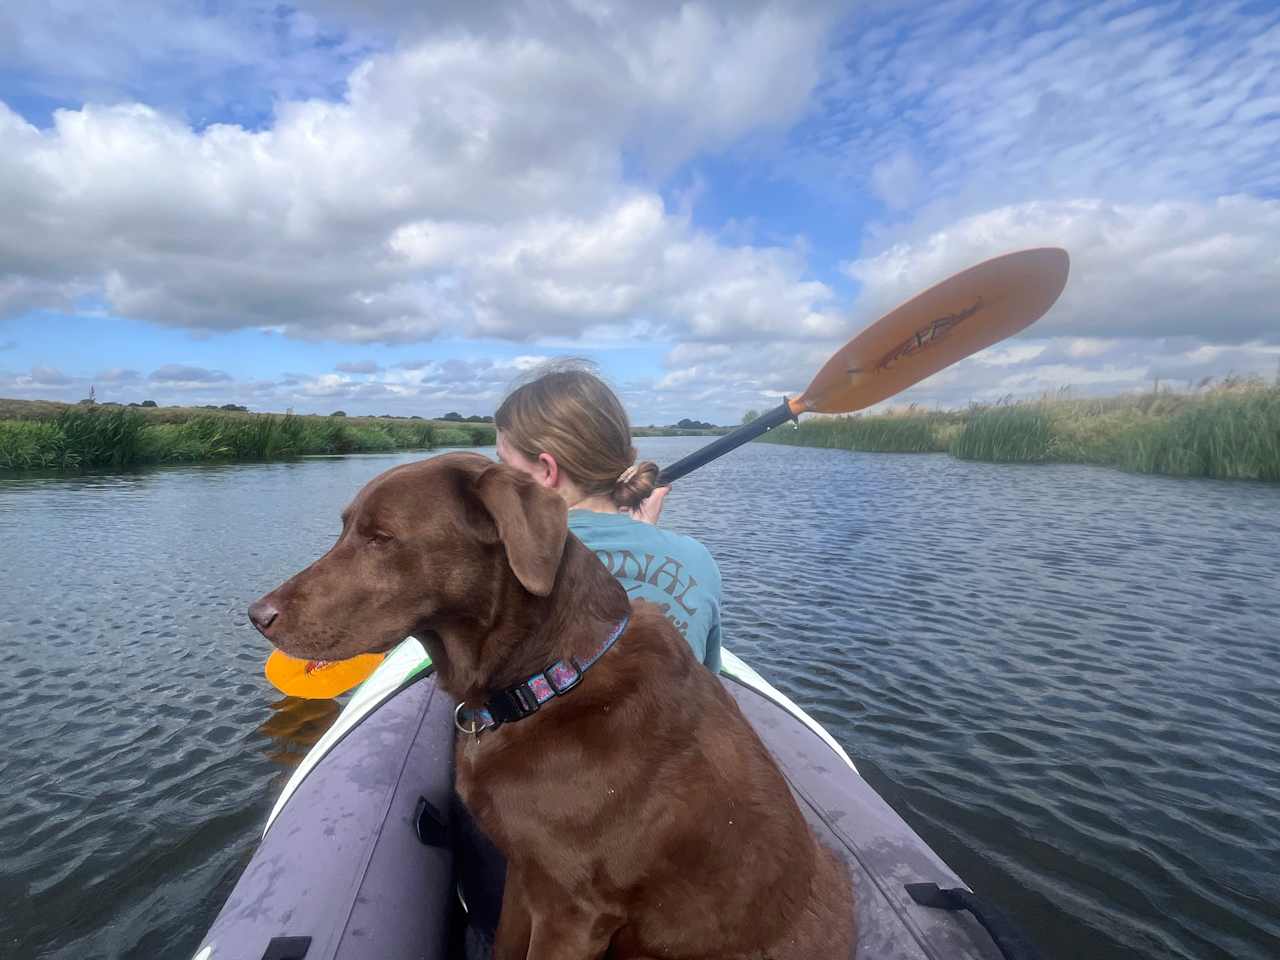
point(77, 437)
point(1013, 434)
point(1228, 431)
point(911, 432)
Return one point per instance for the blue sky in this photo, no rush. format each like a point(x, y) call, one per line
point(344, 205)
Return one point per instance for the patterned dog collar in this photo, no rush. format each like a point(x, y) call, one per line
point(524, 699)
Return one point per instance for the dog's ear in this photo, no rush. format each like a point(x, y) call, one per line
point(532, 522)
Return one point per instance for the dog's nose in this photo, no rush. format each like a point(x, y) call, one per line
point(263, 613)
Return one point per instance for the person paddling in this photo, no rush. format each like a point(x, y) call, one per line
point(568, 431)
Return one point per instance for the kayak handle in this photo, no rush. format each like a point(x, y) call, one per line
point(1012, 942)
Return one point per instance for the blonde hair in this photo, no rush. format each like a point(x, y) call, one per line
point(567, 411)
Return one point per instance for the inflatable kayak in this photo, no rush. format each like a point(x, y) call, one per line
point(357, 860)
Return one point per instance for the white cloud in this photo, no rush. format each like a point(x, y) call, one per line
point(1162, 269)
point(896, 179)
point(468, 182)
point(48, 377)
point(185, 374)
point(118, 375)
point(178, 55)
point(1083, 347)
point(1007, 103)
point(1008, 355)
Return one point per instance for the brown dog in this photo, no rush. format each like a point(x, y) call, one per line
point(639, 813)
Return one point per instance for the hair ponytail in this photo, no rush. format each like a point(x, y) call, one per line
point(635, 483)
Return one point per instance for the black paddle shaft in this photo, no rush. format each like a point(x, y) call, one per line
point(730, 441)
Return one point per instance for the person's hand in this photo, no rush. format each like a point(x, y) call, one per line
point(650, 508)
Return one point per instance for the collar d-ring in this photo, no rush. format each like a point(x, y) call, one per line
point(476, 725)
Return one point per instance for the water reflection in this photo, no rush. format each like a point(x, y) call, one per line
point(294, 727)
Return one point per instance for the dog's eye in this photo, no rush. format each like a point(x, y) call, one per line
point(380, 537)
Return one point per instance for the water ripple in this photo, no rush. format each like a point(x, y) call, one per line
point(1065, 678)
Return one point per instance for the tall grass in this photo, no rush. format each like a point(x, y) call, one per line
point(1007, 434)
point(910, 430)
point(1233, 435)
point(30, 445)
point(88, 437)
point(1231, 431)
point(106, 438)
point(914, 433)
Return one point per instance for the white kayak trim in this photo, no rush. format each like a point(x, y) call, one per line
point(410, 658)
point(731, 665)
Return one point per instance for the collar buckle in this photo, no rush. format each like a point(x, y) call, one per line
point(524, 699)
point(514, 703)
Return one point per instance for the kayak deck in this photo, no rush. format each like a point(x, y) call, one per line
point(357, 855)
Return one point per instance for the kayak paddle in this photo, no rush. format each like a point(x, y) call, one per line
point(948, 322)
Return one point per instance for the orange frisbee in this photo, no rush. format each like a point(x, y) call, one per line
point(318, 679)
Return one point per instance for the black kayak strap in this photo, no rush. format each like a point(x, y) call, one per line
point(1004, 933)
point(287, 948)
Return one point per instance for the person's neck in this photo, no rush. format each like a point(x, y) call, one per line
point(578, 500)
point(596, 504)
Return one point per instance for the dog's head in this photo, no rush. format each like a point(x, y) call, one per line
point(430, 546)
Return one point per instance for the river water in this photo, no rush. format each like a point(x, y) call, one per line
point(1067, 679)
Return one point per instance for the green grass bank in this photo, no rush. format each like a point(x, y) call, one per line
point(1230, 431)
point(36, 435)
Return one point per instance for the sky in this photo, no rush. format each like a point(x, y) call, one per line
point(366, 206)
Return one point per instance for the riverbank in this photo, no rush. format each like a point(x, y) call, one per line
point(39, 435)
point(1229, 431)
point(44, 435)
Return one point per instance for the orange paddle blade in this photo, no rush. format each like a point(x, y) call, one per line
point(319, 679)
point(950, 321)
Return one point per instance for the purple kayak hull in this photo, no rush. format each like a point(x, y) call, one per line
point(342, 863)
point(345, 865)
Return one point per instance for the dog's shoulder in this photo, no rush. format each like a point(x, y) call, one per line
point(650, 629)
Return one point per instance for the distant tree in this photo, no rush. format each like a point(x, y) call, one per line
point(147, 403)
point(338, 413)
point(750, 415)
point(452, 415)
point(415, 417)
point(234, 407)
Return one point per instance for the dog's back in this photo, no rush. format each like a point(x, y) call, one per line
point(652, 801)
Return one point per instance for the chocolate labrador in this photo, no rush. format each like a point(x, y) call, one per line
point(639, 813)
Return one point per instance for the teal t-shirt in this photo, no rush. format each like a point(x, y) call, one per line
point(674, 571)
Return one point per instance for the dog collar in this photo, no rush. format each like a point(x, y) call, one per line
point(524, 699)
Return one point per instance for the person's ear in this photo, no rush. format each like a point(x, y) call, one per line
point(549, 474)
point(532, 522)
